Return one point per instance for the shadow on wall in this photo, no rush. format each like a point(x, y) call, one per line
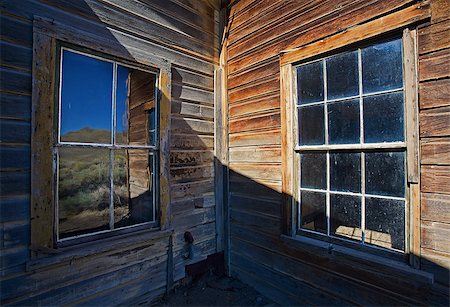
point(256, 223)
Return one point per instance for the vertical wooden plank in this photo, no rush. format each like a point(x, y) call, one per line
point(219, 135)
point(287, 155)
point(42, 205)
point(222, 105)
point(410, 64)
point(411, 103)
point(414, 222)
point(165, 77)
point(170, 265)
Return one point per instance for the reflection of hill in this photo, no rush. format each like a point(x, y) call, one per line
point(88, 135)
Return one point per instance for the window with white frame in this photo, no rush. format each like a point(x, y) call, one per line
point(351, 146)
point(105, 146)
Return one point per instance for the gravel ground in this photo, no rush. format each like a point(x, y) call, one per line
point(212, 290)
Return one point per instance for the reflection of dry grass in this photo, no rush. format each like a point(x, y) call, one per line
point(84, 220)
point(90, 219)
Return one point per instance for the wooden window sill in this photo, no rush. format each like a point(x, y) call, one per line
point(65, 255)
point(369, 263)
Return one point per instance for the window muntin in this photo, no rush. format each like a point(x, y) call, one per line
point(106, 147)
point(351, 146)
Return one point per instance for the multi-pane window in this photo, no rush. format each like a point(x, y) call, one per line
point(351, 146)
point(106, 146)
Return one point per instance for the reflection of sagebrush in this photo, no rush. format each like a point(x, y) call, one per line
point(82, 176)
point(97, 199)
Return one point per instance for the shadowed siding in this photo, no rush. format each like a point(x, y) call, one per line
point(186, 34)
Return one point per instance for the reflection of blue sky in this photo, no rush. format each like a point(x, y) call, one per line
point(121, 99)
point(86, 93)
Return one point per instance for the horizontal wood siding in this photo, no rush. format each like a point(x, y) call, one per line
point(186, 34)
point(258, 32)
point(434, 102)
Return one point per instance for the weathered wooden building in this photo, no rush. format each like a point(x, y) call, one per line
point(309, 141)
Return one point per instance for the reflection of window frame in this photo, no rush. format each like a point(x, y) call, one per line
point(113, 147)
point(361, 147)
point(346, 40)
point(47, 35)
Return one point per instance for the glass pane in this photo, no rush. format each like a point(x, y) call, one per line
point(342, 75)
point(86, 98)
point(314, 170)
point(310, 82)
point(345, 219)
point(345, 172)
point(385, 173)
point(313, 211)
point(382, 66)
point(133, 187)
point(385, 223)
point(383, 118)
point(343, 122)
point(135, 107)
point(83, 191)
point(311, 125)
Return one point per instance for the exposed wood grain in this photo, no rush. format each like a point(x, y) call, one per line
point(257, 171)
point(435, 122)
point(263, 137)
point(434, 37)
point(164, 146)
point(313, 31)
point(298, 14)
point(259, 121)
point(42, 205)
point(437, 263)
point(255, 204)
point(435, 179)
point(251, 14)
point(287, 137)
point(435, 207)
point(440, 9)
point(258, 89)
point(434, 93)
point(435, 151)
point(266, 103)
point(411, 104)
point(435, 65)
point(128, 30)
point(323, 276)
point(435, 236)
point(370, 29)
point(264, 70)
point(259, 154)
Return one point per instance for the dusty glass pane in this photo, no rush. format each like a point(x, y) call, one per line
point(135, 107)
point(345, 216)
point(310, 82)
point(311, 125)
point(342, 75)
point(382, 66)
point(343, 122)
point(385, 173)
point(86, 99)
point(313, 211)
point(313, 170)
point(133, 187)
point(345, 172)
point(385, 223)
point(384, 118)
point(83, 191)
